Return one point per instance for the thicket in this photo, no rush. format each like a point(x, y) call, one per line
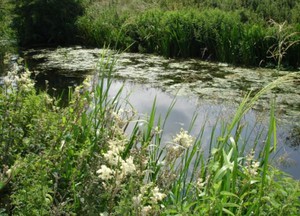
point(238, 33)
point(46, 23)
point(82, 159)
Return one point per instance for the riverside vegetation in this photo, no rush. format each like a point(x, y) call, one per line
point(83, 159)
point(232, 31)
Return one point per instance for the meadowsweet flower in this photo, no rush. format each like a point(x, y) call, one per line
point(146, 210)
point(157, 130)
point(253, 169)
point(200, 183)
point(157, 196)
point(87, 83)
point(8, 172)
point(118, 118)
point(145, 187)
point(128, 166)
point(137, 200)
point(174, 151)
point(252, 165)
point(112, 157)
point(183, 139)
point(250, 156)
point(105, 173)
point(7, 81)
point(117, 146)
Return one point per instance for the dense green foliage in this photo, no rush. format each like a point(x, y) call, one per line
point(46, 22)
point(237, 32)
point(82, 160)
point(233, 31)
point(6, 33)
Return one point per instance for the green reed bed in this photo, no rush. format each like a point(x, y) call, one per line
point(82, 159)
point(211, 34)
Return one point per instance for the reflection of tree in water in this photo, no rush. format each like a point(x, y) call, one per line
point(47, 22)
point(56, 84)
point(294, 137)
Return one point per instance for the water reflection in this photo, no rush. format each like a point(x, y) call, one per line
point(141, 97)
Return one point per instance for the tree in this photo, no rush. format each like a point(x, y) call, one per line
point(46, 21)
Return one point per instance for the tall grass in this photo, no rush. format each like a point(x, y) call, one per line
point(211, 34)
point(84, 159)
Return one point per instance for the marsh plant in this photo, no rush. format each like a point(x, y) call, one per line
point(284, 39)
point(228, 31)
point(97, 157)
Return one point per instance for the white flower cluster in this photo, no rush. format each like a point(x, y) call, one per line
point(180, 142)
point(157, 195)
point(118, 167)
point(105, 173)
point(183, 139)
point(121, 117)
point(252, 165)
point(149, 197)
point(22, 81)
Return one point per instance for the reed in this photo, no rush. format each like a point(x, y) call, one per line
point(234, 34)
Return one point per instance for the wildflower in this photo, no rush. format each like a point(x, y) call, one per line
point(146, 210)
point(157, 196)
point(137, 200)
point(105, 173)
point(174, 151)
point(253, 169)
point(87, 83)
point(145, 188)
point(157, 130)
point(183, 139)
point(128, 166)
point(7, 81)
point(118, 118)
point(250, 156)
point(200, 183)
point(252, 164)
point(116, 146)
point(8, 172)
point(112, 157)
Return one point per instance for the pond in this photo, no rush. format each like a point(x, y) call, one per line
point(210, 90)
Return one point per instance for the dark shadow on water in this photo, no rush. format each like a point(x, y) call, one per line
point(57, 85)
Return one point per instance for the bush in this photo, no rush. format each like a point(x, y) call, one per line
point(47, 22)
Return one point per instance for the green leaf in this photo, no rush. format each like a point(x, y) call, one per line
point(221, 172)
point(1, 185)
point(226, 193)
point(227, 211)
point(231, 205)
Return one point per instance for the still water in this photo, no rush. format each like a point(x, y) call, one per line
point(141, 97)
